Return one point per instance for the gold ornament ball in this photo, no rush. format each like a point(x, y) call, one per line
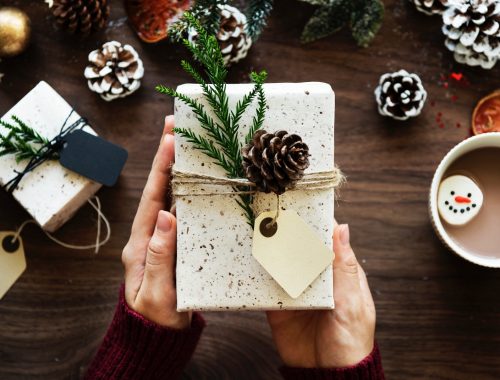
point(15, 31)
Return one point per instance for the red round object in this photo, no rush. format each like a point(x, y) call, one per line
point(152, 18)
point(486, 116)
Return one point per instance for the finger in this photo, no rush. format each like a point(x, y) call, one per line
point(160, 257)
point(154, 196)
point(345, 265)
point(169, 125)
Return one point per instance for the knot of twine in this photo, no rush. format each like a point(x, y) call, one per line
point(187, 184)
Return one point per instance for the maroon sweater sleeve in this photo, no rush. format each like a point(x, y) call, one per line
point(136, 348)
point(370, 368)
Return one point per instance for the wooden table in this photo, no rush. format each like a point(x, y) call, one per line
point(438, 315)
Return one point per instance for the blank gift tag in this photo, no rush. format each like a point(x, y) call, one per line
point(93, 157)
point(290, 251)
point(12, 261)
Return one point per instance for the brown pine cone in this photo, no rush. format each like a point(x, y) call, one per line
point(114, 70)
point(81, 16)
point(275, 161)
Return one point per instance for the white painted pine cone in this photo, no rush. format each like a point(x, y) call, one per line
point(114, 70)
point(400, 95)
point(232, 36)
point(472, 30)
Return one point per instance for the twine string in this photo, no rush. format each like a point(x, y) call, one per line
point(273, 222)
point(196, 182)
point(101, 218)
point(47, 151)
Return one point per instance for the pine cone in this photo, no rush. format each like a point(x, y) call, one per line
point(430, 7)
point(115, 71)
point(275, 161)
point(81, 16)
point(472, 30)
point(400, 95)
point(232, 36)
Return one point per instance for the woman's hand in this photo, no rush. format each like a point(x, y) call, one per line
point(330, 338)
point(149, 256)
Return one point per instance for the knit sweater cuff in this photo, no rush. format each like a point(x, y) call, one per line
point(136, 348)
point(370, 368)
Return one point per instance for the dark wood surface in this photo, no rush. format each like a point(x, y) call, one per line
point(438, 315)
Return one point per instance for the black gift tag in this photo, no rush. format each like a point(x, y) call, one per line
point(93, 157)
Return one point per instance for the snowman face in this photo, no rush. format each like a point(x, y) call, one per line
point(459, 200)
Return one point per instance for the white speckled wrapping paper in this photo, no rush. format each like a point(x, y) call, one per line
point(50, 193)
point(215, 266)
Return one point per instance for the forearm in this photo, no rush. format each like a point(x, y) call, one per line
point(135, 348)
point(369, 368)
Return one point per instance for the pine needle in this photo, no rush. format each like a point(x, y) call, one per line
point(21, 140)
point(222, 142)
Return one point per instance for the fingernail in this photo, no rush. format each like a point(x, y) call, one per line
point(344, 234)
point(164, 223)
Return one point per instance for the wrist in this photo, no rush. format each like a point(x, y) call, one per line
point(160, 312)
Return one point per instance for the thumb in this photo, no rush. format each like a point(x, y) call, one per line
point(160, 256)
point(345, 265)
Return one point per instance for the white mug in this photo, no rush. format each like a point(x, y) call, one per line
point(485, 140)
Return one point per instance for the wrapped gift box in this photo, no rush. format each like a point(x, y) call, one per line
point(50, 193)
point(215, 266)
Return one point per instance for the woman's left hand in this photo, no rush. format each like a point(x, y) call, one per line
point(149, 256)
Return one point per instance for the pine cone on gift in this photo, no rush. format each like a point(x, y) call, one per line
point(472, 30)
point(81, 16)
point(430, 7)
point(232, 36)
point(115, 71)
point(400, 95)
point(275, 161)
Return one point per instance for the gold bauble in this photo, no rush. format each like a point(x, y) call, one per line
point(14, 31)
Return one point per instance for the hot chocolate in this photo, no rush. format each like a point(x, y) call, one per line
point(481, 236)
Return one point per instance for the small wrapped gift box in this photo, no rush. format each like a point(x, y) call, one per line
point(215, 266)
point(50, 193)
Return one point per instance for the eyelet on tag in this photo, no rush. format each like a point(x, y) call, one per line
point(10, 245)
point(12, 260)
point(268, 227)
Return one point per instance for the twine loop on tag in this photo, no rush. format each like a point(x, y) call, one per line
point(189, 184)
point(47, 151)
point(101, 218)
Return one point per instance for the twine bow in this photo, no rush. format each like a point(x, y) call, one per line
point(46, 152)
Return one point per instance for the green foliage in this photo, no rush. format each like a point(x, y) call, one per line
point(257, 13)
point(207, 12)
point(21, 140)
point(222, 142)
point(363, 17)
point(366, 21)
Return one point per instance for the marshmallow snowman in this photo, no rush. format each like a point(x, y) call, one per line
point(459, 200)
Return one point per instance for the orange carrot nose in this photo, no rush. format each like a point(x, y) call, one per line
point(460, 199)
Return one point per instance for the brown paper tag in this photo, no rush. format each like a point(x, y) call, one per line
point(290, 251)
point(12, 260)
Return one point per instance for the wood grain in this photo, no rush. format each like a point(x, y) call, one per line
point(438, 316)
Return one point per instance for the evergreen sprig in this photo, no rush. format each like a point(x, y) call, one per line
point(207, 12)
point(21, 140)
point(222, 142)
point(363, 17)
